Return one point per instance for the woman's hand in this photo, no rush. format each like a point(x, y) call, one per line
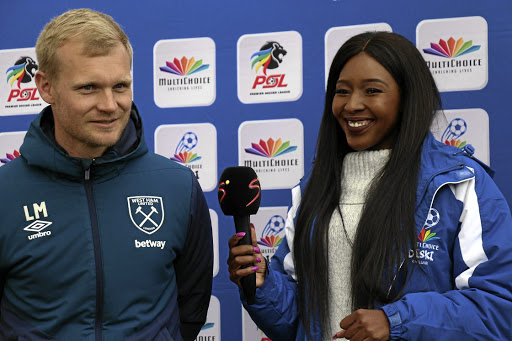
point(245, 255)
point(364, 324)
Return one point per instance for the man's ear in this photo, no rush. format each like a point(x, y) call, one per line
point(44, 86)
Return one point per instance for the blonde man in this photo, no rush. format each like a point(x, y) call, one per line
point(102, 239)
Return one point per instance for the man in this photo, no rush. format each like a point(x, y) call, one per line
point(99, 238)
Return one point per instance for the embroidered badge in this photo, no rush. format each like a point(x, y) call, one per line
point(146, 212)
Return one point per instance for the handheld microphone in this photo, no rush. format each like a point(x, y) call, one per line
point(239, 195)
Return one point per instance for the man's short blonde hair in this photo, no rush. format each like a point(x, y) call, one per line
point(97, 31)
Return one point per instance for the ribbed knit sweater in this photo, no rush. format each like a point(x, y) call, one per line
point(359, 169)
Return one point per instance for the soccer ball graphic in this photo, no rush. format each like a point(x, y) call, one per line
point(189, 140)
point(274, 225)
point(432, 218)
point(277, 223)
point(458, 127)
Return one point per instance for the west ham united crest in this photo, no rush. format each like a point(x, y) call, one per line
point(146, 213)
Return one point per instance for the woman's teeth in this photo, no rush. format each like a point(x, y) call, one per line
point(356, 124)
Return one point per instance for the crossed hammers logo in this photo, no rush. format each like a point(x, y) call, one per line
point(147, 216)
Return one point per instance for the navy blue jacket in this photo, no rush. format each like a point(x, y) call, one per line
point(464, 247)
point(115, 248)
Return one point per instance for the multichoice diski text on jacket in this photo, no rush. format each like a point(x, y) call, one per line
point(464, 247)
point(115, 248)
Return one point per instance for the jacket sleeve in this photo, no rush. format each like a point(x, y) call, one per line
point(275, 307)
point(194, 267)
point(479, 306)
point(275, 310)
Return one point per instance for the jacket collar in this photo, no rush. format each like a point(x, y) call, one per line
point(40, 149)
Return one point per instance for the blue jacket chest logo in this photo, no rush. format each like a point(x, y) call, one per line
point(426, 246)
point(146, 212)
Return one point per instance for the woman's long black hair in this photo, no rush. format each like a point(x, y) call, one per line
point(386, 230)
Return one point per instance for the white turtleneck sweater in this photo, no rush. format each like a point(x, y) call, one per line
point(359, 169)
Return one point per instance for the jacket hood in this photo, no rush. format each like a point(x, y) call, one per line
point(438, 158)
point(40, 149)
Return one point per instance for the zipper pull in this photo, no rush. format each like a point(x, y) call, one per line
point(88, 170)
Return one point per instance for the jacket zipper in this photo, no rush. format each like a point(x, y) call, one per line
point(97, 255)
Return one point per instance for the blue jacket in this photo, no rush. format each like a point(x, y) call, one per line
point(464, 247)
point(115, 248)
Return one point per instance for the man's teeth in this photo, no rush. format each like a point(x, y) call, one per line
point(355, 124)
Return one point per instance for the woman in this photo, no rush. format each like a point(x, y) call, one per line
point(392, 235)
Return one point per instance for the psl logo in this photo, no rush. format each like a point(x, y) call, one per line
point(23, 71)
point(270, 56)
point(146, 213)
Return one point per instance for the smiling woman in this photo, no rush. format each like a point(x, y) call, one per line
point(362, 251)
point(366, 104)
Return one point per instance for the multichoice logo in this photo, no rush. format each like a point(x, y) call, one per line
point(184, 153)
point(271, 150)
point(425, 251)
point(184, 72)
point(10, 157)
point(451, 53)
point(453, 132)
point(184, 68)
point(22, 72)
point(270, 56)
point(452, 48)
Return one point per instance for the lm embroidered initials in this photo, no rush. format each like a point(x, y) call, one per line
point(38, 208)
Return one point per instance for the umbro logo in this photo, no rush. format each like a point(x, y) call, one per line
point(37, 225)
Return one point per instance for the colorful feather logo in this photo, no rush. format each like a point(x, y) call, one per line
point(271, 148)
point(18, 72)
point(427, 235)
point(10, 157)
point(452, 48)
point(185, 66)
point(261, 58)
